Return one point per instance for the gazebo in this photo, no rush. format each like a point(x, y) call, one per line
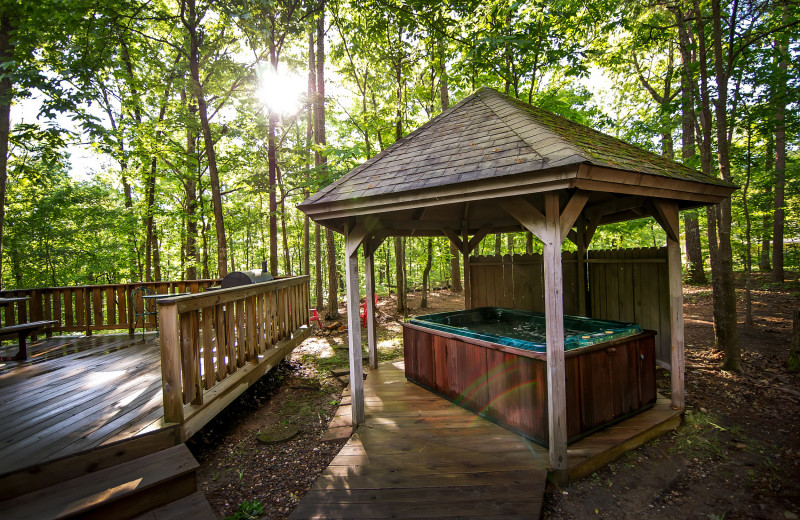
point(492, 164)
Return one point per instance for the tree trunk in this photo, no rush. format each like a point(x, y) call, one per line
point(748, 265)
point(7, 47)
point(333, 277)
point(426, 275)
point(763, 259)
point(150, 194)
point(498, 243)
point(211, 156)
point(272, 160)
point(321, 162)
point(455, 254)
point(400, 278)
point(528, 243)
point(766, 232)
point(455, 269)
point(704, 145)
point(780, 161)
point(733, 356)
point(192, 257)
point(318, 266)
point(156, 257)
point(694, 252)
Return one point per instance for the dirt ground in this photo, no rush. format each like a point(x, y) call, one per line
point(737, 454)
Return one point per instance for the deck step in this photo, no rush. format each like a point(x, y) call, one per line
point(194, 507)
point(120, 492)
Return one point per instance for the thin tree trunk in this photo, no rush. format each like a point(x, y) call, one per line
point(7, 47)
point(312, 89)
point(455, 254)
point(764, 259)
point(748, 300)
point(211, 156)
point(766, 233)
point(704, 145)
point(321, 163)
point(694, 250)
point(528, 243)
point(426, 275)
point(733, 356)
point(156, 257)
point(694, 253)
point(273, 165)
point(780, 161)
point(150, 191)
point(400, 275)
point(498, 243)
point(192, 257)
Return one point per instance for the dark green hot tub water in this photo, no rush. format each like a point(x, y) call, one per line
point(524, 329)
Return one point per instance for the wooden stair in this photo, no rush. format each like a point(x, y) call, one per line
point(158, 485)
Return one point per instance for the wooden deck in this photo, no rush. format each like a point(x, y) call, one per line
point(77, 393)
point(420, 456)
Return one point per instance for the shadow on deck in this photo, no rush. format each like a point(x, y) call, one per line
point(421, 456)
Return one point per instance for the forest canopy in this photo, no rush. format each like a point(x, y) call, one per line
point(174, 139)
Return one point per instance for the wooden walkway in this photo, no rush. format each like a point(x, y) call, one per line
point(76, 393)
point(420, 456)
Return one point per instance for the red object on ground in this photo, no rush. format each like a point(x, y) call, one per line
point(315, 317)
point(364, 311)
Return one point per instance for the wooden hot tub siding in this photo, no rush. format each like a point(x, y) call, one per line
point(605, 383)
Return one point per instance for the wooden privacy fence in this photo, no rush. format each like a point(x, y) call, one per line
point(213, 345)
point(88, 308)
point(630, 285)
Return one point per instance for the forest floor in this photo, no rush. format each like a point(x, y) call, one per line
point(736, 455)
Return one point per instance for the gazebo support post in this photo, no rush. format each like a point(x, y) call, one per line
point(552, 228)
point(369, 272)
point(666, 213)
point(354, 235)
point(554, 319)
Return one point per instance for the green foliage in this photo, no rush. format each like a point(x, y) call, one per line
point(118, 73)
point(248, 510)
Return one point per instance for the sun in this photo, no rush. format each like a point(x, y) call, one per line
point(281, 90)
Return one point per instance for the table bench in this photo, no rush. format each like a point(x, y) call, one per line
point(23, 330)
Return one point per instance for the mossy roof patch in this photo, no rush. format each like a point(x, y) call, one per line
point(489, 135)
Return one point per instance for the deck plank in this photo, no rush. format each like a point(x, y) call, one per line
point(421, 456)
point(77, 393)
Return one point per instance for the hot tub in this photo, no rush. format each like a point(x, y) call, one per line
point(493, 362)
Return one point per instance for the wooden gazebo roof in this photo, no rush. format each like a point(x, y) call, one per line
point(490, 145)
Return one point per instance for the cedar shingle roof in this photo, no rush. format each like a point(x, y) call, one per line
point(489, 135)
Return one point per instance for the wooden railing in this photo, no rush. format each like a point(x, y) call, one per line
point(213, 345)
point(89, 308)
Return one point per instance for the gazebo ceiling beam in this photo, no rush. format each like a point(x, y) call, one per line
point(454, 238)
point(666, 214)
point(571, 212)
point(527, 215)
point(477, 237)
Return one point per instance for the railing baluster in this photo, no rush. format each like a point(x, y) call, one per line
point(210, 376)
point(241, 347)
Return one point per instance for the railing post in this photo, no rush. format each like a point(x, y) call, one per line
point(170, 362)
point(87, 306)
